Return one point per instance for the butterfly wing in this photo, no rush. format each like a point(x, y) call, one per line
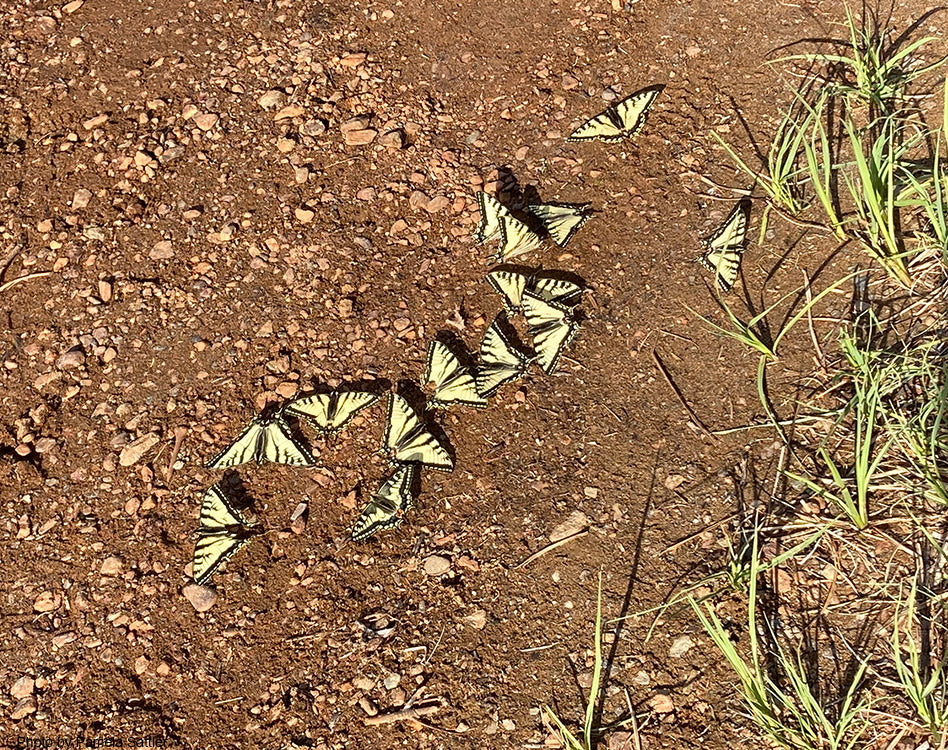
point(314, 409)
point(492, 211)
point(516, 238)
point(409, 441)
point(633, 110)
point(454, 384)
point(725, 247)
point(561, 220)
point(603, 127)
point(217, 511)
point(621, 120)
point(552, 327)
point(346, 405)
point(223, 531)
point(510, 285)
point(500, 362)
point(244, 448)
point(386, 508)
point(554, 289)
point(281, 447)
point(212, 550)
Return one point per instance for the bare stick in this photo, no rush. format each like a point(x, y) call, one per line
point(20, 279)
point(179, 434)
point(552, 546)
point(681, 398)
point(406, 715)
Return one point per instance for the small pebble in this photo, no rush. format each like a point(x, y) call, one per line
point(22, 688)
point(436, 565)
point(24, 708)
point(133, 452)
point(202, 598)
point(680, 647)
point(111, 566)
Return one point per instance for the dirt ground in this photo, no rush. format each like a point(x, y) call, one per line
point(210, 240)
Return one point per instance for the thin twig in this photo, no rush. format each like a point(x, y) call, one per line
point(179, 434)
point(20, 279)
point(552, 546)
point(405, 715)
point(681, 398)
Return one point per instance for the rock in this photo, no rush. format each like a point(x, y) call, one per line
point(73, 6)
point(360, 122)
point(477, 619)
point(271, 99)
point(417, 199)
point(436, 204)
point(661, 703)
point(288, 113)
point(591, 492)
point(313, 128)
point(285, 145)
point(132, 453)
point(22, 687)
point(367, 194)
point(353, 60)
point(392, 681)
point(206, 121)
point(304, 215)
point(46, 602)
point(393, 138)
point(680, 647)
point(360, 137)
point(81, 198)
point(74, 357)
point(436, 565)
point(24, 708)
point(162, 250)
point(673, 481)
point(111, 566)
point(202, 598)
point(94, 122)
point(576, 522)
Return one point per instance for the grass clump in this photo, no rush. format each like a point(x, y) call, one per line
point(853, 152)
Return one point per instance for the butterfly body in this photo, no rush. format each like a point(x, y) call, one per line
point(552, 326)
point(386, 508)
point(408, 440)
point(331, 412)
point(725, 248)
point(620, 120)
point(501, 361)
point(268, 437)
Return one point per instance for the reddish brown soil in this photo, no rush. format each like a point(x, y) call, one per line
point(196, 334)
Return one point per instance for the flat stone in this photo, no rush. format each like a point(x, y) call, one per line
point(360, 137)
point(202, 598)
point(81, 198)
point(71, 358)
point(393, 138)
point(313, 127)
point(271, 99)
point(661, 703)
point(576, 522)
point(46, 602)
point(133, 452)
point(680, 647)
point(22, 688)
point(206, 121)
point(436, 565)
point(24, 708)
point(111, 566)
point(477, 619)
point(162, 250)
point(359, 122)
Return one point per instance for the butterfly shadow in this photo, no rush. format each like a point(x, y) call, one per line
point(458, 347)
point(232, 486)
